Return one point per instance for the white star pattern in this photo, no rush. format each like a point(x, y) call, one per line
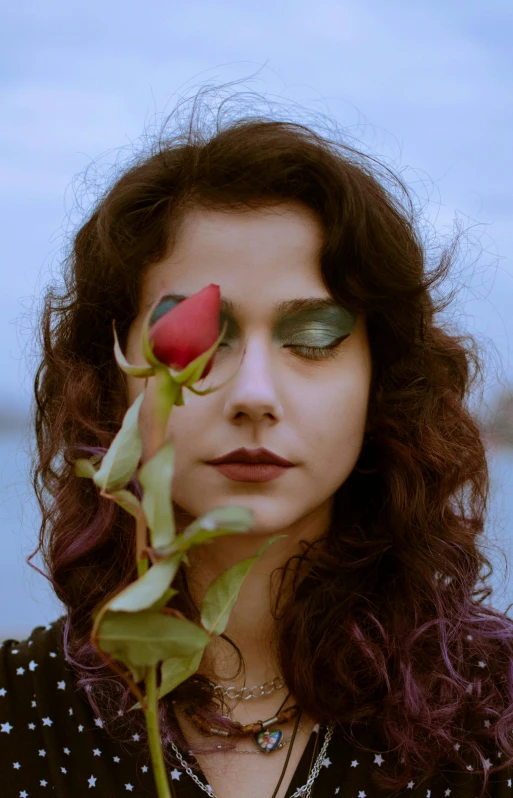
point(56, 678)
point(15, 651)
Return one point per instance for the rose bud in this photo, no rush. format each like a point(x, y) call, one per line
point(187, 329)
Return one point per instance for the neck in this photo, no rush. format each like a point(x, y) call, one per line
point(251, 625)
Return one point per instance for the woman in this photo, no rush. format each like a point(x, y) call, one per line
point(367, 616)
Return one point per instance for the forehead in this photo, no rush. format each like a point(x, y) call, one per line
point(266, 255)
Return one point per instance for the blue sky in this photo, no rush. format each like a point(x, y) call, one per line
point(427, 86)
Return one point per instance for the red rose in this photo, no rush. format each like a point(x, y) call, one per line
point(188, 329)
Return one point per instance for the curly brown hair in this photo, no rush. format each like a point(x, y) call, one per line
point(385, 625)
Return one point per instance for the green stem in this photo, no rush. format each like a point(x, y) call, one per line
point(164, 790)
point(165, 394)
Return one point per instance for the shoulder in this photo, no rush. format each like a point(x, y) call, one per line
point(32, 672)
point(27, 664)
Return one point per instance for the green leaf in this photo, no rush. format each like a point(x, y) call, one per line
point(220, 521)
point(146, 345)
point(124, 365)
point(144, 592)
point(126, 500)
point(85, 468)
point(223, 592)
point(176, 670)
point(122, 458)
point(146, 638)
point(169, 593)
point(155, 477)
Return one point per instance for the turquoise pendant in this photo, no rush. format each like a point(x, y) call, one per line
point(268, 741)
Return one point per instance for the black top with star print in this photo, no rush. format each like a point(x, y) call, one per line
point(51, 743)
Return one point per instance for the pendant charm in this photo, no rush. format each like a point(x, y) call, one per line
point(268, 741)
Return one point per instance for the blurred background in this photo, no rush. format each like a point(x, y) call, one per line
point(426, 87)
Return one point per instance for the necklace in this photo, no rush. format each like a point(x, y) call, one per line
point(246, 693)
point(282, 744)
point(302, 792)
point(266, 739)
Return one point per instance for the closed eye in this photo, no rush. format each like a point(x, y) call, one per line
point(319, 352)
point(312, 352)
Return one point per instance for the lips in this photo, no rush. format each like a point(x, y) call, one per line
point(252, 457)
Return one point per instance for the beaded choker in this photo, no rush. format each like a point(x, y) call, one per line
point(266, 739)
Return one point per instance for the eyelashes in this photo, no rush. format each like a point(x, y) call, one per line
point(320, 352)
point(312, 352)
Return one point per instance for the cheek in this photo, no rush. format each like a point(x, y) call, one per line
point(337, 419)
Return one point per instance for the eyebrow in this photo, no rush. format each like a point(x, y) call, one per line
point(288, 306)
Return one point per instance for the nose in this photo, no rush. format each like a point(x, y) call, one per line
point(253, 392)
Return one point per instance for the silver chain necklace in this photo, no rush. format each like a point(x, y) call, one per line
point(246, 693)
point(302, 792)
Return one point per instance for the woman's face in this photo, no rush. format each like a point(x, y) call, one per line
point(311, 411)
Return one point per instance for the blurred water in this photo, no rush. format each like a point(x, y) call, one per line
point(26, 597)
point(27, 600)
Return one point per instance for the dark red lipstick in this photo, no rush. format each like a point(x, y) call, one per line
point(251, 465)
